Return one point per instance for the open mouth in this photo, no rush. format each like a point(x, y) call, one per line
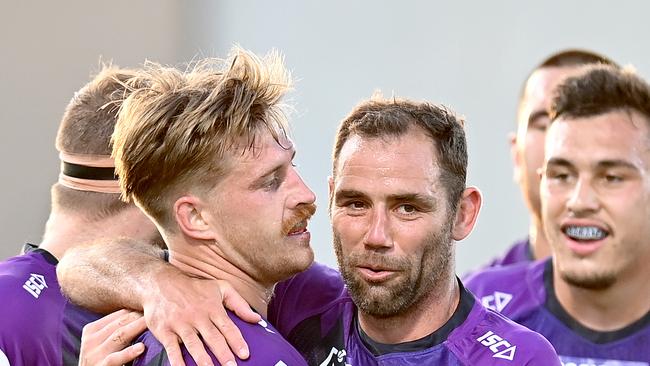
point(298, 228)
point(585, 233)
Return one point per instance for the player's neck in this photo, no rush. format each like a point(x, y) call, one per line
point(609, 309)
point(422, 319)
point(65, 231)
point(538, 244)
point(204, 261)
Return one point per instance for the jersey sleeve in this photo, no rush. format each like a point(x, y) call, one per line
point(267, 347)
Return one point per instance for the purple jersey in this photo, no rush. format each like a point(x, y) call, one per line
point(524, 293)
point(267, 347)
point(38, 326)
point(519, 252)
point(315, 313)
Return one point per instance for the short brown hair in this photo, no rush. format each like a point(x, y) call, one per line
point(600, 89)
point(380, 117)
point(85, 129)
point(572, 57)
point(175, 135)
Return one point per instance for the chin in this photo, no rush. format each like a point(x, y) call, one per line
point(592, 280)
point(300, 260)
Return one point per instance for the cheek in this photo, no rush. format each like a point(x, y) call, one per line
point(415, 242)
point(350, 229)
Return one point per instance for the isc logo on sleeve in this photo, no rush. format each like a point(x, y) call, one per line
point(35, 284)
point(499, 346)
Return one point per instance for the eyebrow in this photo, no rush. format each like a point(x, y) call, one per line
point(603, 164)
point(559, 162)
point(616, 163)
point(537, 115)
point(348, 193)
point(426, 201)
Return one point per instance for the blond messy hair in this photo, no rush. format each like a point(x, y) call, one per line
point(176, 134)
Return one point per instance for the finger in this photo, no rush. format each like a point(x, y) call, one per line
point(173, 350)
point(124, 335)
point(105, 320)
point(213, 337)
point(229, 332)
point(124, 356)
point(195, 347)
point(108, 331)
point(235, 303)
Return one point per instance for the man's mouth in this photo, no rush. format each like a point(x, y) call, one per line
point(584, 233)
point(298, 228)
point(376, 273)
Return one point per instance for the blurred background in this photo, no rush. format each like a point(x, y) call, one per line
point(470, 55)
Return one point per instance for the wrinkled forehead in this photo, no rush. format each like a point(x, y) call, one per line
point(411, 154)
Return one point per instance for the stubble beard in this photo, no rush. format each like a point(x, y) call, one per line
point(589, 281)
point(285, 261)
point(418, 276)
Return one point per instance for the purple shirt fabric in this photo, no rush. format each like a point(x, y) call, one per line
point(38, 326)
point(524, 292)
point(314, 312)
point(267, 348)
point(519, 252)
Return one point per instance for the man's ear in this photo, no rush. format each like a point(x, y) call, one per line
point(467, 213)
point(190, 217)
point(515, 154)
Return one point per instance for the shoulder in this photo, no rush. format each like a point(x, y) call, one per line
point(320, 275)
point(519, 252)
point(267, 347)
point(510, 289)
point(32, 319)
point(31, 283)
point(305, 294)
point(489, 338)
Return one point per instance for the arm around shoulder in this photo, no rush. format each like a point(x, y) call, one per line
point(107, 275)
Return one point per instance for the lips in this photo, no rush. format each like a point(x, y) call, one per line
point(298, 228)
point(375, 274)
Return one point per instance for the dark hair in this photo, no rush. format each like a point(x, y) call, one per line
point(395, 117)
point(601, 89)
point(567, 58)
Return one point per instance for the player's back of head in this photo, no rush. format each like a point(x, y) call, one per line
point(87, 184)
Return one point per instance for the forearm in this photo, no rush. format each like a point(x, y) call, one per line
point(112, 274)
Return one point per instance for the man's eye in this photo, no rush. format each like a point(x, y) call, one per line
point(406, 209)
point(613, 178)
point(557, 176)
point(273, 183)
point(356, 205)
point(560, 177)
